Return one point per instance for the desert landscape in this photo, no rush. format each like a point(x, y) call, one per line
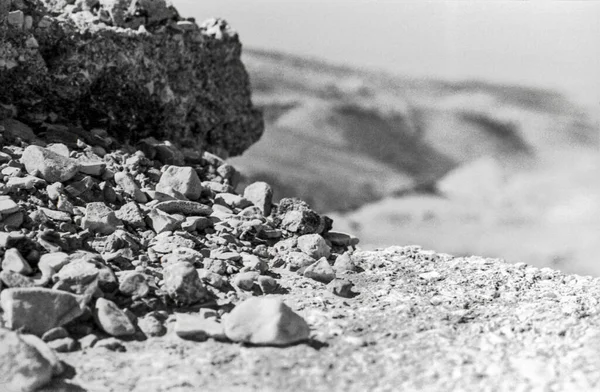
point(181, 213)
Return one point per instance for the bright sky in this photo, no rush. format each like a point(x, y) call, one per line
point(540, 43)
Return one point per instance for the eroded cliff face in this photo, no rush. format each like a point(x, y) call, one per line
point(136, 69)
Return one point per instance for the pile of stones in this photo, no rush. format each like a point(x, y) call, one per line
point(103, 242)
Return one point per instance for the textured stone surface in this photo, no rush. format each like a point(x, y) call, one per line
point(112, 319)
point(135, 71)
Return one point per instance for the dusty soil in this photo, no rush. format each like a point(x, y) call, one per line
point(421, 321)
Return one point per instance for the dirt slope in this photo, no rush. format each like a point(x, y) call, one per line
point(422, 321)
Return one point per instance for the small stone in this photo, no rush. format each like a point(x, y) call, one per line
point(90, 166)
point(54, 190)
point(51, 263)
point(78, 277)
point(199, 326)
point(51, 166)
point(181, 179)
point(344, 263)
point(341, 239)
point(13, 261)
point(57, 366)
point(8, 206)
point(111, 344)
point(267, 284)
point(100, 218)
point(63, 345)
point(261, 195)
point(88, 341)
point(184, 207)
point(231, 200)
point(111, 319)
point(131, 214)
point(150, 325)
point(265, 321)
point(341, 287)
point(59, 148)
point(211, 278)
point(16, 19)
point(245, 280)
point(320, 271)
point(161, 221)
point(431, 276)
point(130, 187)
point(28, 182)
point(134, 284)
point(38, 310)
point(314, 245)
point(182, 283)
point(14, 279)
point(22, 366)
point(298, 261)
point(55, 333)
point(254, 263)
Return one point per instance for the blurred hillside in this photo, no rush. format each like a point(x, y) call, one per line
point(464, 168)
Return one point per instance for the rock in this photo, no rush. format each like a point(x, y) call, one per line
point(181, 179)
point(107, 281)
point(231, 200)
point(130, 187)
point(338, 238)
point(295, 216)
point(131, 214)
point(22, 366)
point(199, 326)
point(14, 279)
point(150, 325)
point(79, 277)
point(182, 283)
point(298, 261)
point(267, 284)
point(7, 206)
point(161, 221)
point(265, 321)
point(344, 263)
point(261, 195)
point(111, 344)
point(196, 223)
point(57, 366)
point(49, 165)
point(184, 207)
point(111, 319)
point(59, 148)
point(314, 245)
point(341, 287)
point(88, 341)
point(64, 345)
point(320, 271)
point(211, 278)
point(100, 219)
point(13, 261)
point(55, 333)
point(134, 284)
point(51, 263)
point(245, 280)
point(15, 184)
point(129, 101)
point(90, 166)
point(38, 310)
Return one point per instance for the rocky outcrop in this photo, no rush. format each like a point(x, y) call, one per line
point(136, 69)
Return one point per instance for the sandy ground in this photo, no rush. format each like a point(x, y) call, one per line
point(421, 321)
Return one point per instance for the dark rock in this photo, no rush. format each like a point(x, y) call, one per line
point(141, 84)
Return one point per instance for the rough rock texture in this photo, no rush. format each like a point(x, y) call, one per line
point(135, 71)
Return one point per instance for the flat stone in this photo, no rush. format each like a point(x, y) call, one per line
point(55, 333)
point(130, 187)
point(111, 319)
point(13, 261)
point(320, 271)
point(162, 221)
point(28, 182)
point(92, 167)
point(131, 214)
point(314, 245)
point(64, 345)
point(100, 218)
point(338, 238)
point(184, 207)
point(8, 206)
point(265, 321)
point(55, 215)
point(181, 179)
point(49, 165)
point(22, 366)
point(182, 283)
point(231, 200)
point(38, 310)
point(261, 195)
point(199, 326)
point(111, 344)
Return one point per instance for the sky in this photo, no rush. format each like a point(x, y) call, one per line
point(552, 44)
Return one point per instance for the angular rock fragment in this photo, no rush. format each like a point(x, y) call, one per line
point(341, 287)
point(130, 187)
point(182, 283)
point(314, 245)
point(131, 214)
point(13, 261)
point(49, 165)
point(320, 271)
point(38, 310)
point(184, 207)
point(261, 195)
point(161, 221)
point(265, 321)
point(181, 179)
point(100, 218)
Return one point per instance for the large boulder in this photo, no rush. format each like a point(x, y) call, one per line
point(136, 69)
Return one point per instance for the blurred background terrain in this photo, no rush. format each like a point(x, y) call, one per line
point(482, 137)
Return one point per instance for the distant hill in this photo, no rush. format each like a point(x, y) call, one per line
point(341, 137)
